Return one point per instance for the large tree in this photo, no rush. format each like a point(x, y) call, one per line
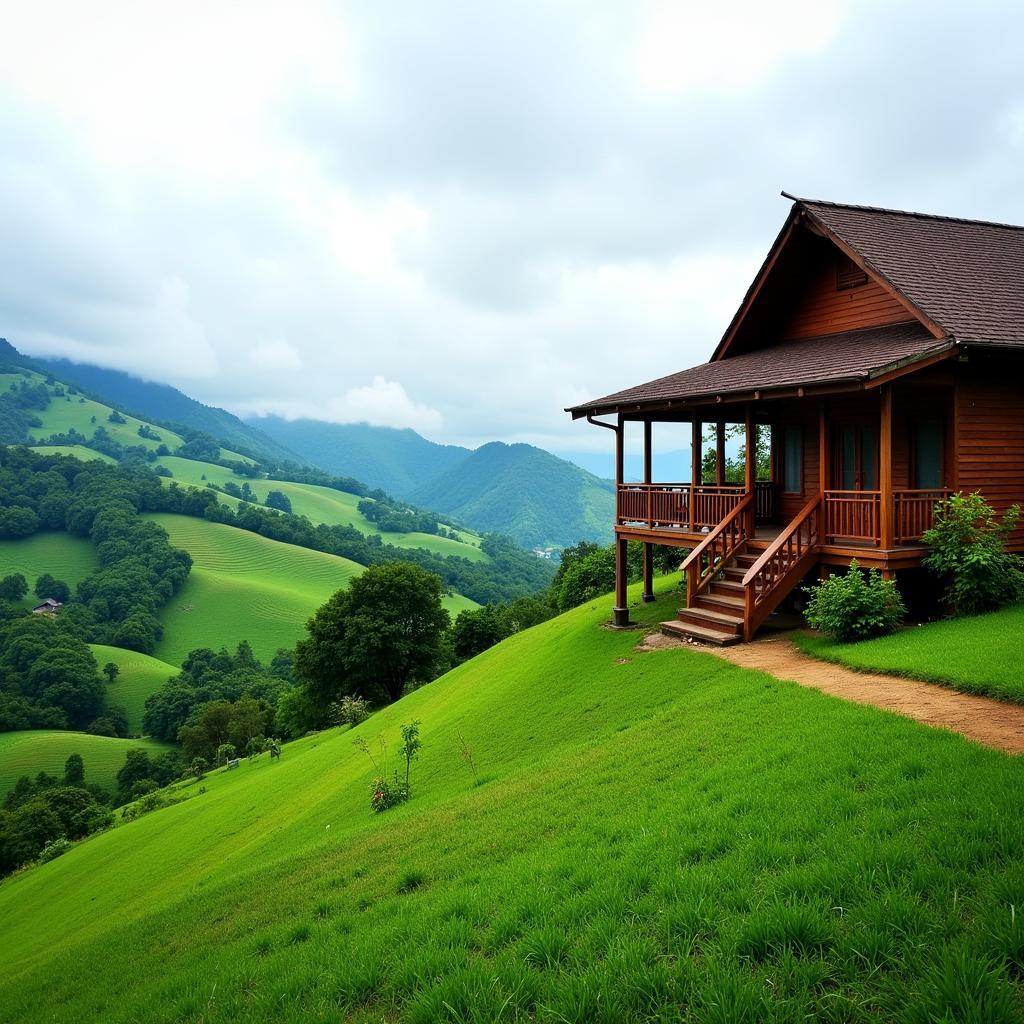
point(374, 638)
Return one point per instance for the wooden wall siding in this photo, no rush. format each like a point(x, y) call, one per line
point(990, 440)
point(805, 416)
point(824, 309)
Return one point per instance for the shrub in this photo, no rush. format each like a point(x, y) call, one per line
point(53, 849)
point(385, 794)
point(852, 607)
point(968, 551)
point(350, 711)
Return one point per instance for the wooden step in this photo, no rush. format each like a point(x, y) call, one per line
point(746, 560)
point(723, 621)
point(704, 634)
point(734, 588)
point(733, 573)
point(721, 602)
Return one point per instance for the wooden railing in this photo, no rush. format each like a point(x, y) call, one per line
point(852, 515)
point(913, 512)
point(784, 563)
point(669, 504)
point(654, 505)
point(727, 539)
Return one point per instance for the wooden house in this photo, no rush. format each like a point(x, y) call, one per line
point(884, 352)
point(50, 606)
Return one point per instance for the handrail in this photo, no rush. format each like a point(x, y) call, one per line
point(796, 523)
point(698, 551)
point(719, 545)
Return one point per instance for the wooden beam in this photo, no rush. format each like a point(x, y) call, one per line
point(720, 452)
point(885, 470)
point(648, 549)
point(620, 613)
point(620, 454)
point(750, 469)
point(823, 474)
point(695, 467)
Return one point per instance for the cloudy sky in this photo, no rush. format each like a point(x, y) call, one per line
point(460, 216)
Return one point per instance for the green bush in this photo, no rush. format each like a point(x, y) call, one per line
point(54, 848)
point(350, 710)
point(968, 551)
point(855, 607)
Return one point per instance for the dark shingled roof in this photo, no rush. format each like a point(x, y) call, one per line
point(849, 357)
point(966, 275)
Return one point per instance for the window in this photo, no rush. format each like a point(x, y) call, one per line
point(849, 275)
point(792, 460)
point(928, 453)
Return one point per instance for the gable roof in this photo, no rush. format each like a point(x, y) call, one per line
point(961, 280)
point(965, 275)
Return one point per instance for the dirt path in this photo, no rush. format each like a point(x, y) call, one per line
point(988, 721)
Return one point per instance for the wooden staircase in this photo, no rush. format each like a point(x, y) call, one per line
point(730, 591)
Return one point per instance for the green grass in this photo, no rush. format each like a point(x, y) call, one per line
point(43, 750)
point(247, 587)
point(77, 450)
point(640, 837)
point(319, 505)
point(140, 676)
point(67, 558)
point(976, 654)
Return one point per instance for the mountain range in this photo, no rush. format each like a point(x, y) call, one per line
point(525, 492)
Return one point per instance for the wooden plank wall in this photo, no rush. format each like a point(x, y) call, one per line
point(990, 438)
point(825, 309)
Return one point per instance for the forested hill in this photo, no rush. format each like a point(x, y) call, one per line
point(537, 498)
point(166, 404)
point(396, 461)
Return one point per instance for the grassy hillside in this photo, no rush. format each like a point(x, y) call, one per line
point(397, 461)
point(67, 558)
point(976, 653)
point(162, 402)
point(76, 450)
point(623, 847)
point(528, 493)
point(139, 677)
point(42, 750)
point(247, 587)
point(320, 505)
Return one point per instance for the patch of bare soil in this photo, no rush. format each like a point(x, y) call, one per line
point(982, 719)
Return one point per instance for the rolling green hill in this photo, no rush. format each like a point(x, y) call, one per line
point(320, 505)
point(76, 450)
point(167, 404)
point(44, 750)
point(67, 558)
point(619, 845)
point(247, 587)
point(528, 493)
point(139, 677)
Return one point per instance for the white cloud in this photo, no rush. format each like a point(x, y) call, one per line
point(455, 216)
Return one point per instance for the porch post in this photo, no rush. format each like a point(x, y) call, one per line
point(620, 613)
point(720, 453)
point(885, 500)
point(822, 448)
point(648, 563)
point(750, 467)
point(695, 469)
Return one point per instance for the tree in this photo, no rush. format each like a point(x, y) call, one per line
point(74, 770)
point(111, 671)
point(279, 500)
point(13, 587)
point(136, 766)
point(476, 629)
point(586, 578)
point(47, 586)
point(374, 638)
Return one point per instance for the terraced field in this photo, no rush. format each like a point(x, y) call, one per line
point(247, 587)
point(44, 750)
point(67, 558)
point(139, 677)
point(319, 505)
point(77, 450)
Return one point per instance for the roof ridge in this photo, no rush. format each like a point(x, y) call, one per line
point(903, 213)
